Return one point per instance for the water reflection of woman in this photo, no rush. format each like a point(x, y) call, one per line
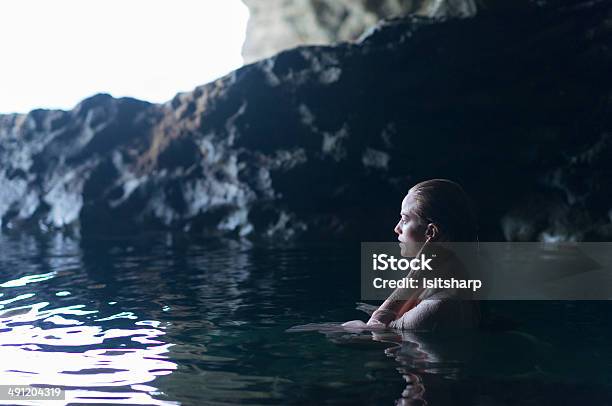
point(436, 210)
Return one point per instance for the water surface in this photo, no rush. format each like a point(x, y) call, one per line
point(166, 320)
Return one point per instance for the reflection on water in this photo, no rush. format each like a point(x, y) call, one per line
point(52, 333)
point(482, 367)
point(163, 320)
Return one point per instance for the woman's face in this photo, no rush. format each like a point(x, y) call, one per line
point(410, 229)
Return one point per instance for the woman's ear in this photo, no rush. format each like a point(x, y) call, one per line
point(432, 232)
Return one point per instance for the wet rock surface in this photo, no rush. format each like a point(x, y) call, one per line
point(324, 141)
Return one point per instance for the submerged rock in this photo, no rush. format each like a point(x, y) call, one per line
point(324, 141)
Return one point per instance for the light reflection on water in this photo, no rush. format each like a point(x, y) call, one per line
point(107, 319)
point(162, 320)
point(74, 346)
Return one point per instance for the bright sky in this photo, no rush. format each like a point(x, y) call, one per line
point(58, 52)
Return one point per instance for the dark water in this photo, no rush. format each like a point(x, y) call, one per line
point(166, 320)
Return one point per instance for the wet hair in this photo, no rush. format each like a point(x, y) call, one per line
point(445, 203)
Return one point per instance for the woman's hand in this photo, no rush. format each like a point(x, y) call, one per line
point(355, 324)
point(382, 316)
point(360, 325)
point(379, 320)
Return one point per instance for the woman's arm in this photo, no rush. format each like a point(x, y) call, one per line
point(403, 300)
point(394, 307)
point(400, 301)
point(391, 310)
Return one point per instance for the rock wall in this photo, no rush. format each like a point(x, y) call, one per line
point(277, 25)
point(324, 141)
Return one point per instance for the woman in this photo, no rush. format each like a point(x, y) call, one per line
point(436, 210)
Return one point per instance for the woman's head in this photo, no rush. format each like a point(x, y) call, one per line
point(438, 209)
